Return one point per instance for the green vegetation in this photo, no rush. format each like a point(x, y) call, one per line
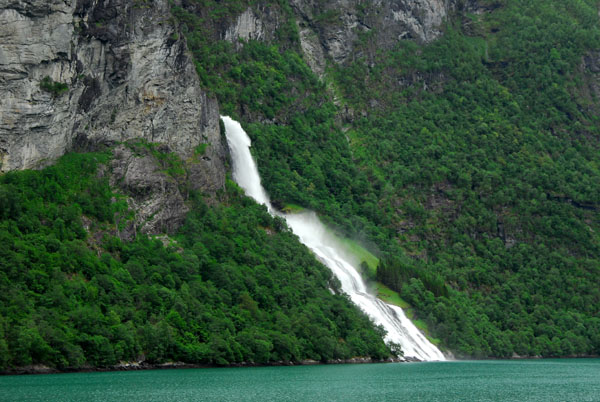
point(55, 88)
point(389, 296)
point(168, 161)
point(292, 209)
point(225, 290)
point(368, 261)
point(200, 149)
point(492, 175)
point(475, 168)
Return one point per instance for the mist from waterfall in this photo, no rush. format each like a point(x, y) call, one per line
point(329, 251)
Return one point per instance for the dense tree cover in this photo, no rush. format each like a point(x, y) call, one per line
point(494, 177)
point(475, 170)
point(234, 285)
point(473, 164)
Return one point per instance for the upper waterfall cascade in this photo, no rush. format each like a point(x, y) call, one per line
point(326, 247)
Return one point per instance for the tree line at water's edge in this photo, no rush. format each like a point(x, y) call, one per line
point(234, 285)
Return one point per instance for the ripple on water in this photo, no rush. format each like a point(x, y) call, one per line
point(522, 380)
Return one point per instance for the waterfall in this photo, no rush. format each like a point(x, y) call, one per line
point(327, 249)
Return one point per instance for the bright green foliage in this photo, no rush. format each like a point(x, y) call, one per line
point(200, 149)
point(169, 161)
point(235, 286)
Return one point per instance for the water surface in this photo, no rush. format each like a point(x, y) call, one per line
point(524, 380)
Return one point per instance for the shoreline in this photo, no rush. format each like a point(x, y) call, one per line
point(138, 366)
point(142, 366)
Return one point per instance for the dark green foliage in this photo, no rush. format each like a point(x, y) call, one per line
point(494, 171)
point(395, 273)
point(235, 285)
point(55, 88)
point(473, 165)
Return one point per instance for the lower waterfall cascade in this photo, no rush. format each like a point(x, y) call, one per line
point(313, 234)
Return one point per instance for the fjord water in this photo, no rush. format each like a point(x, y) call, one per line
point(523, 380)
point(325, 246)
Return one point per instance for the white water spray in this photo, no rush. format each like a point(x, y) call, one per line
point(325, 246)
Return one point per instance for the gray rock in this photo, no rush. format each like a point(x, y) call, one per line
point(128, 76)
point(312, 50)
point(331, 29)
point(339, 24)
point(152, 195)
point(259, 22)
point(247, 26)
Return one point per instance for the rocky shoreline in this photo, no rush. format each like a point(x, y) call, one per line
point(134, 366)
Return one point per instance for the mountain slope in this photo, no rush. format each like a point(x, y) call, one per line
point(457, 140)
point(470, 163)
point(233, 285)
point(491, 146)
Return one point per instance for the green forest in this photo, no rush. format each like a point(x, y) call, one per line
point(473, 170)
point(492, 178)
point(234, 285)
point(470, 166)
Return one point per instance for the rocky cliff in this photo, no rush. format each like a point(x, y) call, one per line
point(331, 30)
point(76, 73)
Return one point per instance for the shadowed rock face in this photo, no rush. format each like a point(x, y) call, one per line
point(339, 24)
point(126, 73)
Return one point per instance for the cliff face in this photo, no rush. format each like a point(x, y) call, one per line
point(75, 74)
point(117, 70)
point(81, 72)
point(339, 24)
point(330, 30)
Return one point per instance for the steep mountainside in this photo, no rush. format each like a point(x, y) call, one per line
point(82, 284)
point(457, 139)
point(232, 286)
point(468, 161)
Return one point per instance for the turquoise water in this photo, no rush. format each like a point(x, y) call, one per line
point(525, 380)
